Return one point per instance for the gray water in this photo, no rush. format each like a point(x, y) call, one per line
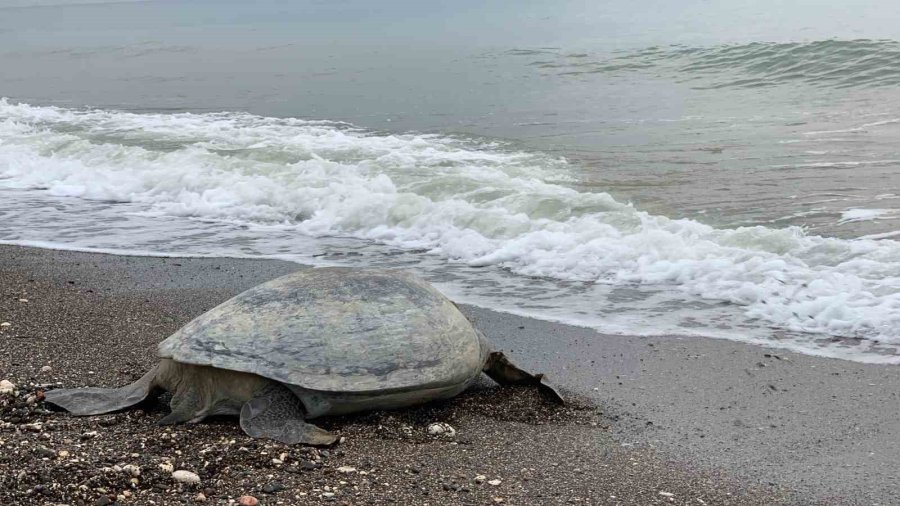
point(727, 114)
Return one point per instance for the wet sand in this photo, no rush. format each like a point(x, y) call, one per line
point(653, 420)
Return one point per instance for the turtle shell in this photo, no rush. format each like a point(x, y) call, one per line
point(336, 330)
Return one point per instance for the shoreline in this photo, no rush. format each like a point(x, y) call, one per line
point(704, 418)
point(771, 345)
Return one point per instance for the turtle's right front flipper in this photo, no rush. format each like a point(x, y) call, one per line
point(97, 401)
point(276, 413)
point(503, 371)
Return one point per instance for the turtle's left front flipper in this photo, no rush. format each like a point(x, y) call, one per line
point(501, 370)
point(276, 413)
point(97, 401)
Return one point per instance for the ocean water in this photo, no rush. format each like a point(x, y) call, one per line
point(730, 171)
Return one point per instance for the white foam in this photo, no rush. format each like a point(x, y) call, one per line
point(854, 215)
point(468, 202)
point(891, 121)
point(883, 235)
point(113, 251)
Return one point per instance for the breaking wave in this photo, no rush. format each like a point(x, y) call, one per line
point(468, 202)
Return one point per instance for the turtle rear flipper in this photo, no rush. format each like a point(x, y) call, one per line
point(504, 372)
point(97, 401)
point(276, 413)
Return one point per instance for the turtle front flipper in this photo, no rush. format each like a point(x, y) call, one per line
point(276, 413)
point(504, 372)
point(97, 401)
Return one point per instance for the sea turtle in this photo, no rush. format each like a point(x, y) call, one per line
point(315, 342)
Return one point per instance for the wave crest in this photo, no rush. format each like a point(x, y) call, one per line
point(836, 63)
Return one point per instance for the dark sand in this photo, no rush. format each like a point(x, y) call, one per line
point(653, 421)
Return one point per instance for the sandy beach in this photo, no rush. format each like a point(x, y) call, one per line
point(651, 420)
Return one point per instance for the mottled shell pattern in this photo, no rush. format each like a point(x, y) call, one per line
point(337, 330)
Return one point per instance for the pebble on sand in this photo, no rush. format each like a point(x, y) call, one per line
point(46, 368)
point(7, 387)
point(495, 483)
point(346, 469)
point(441, 429)
point(248, 500)
point(183, 476)
point(5, 324)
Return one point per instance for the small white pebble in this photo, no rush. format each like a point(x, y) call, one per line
point(23, 300)
point(480, 478)
point(346, 469)
point(62, 454)
point(495, 482)
point(46, 368)
point(667, 494)
point(441, 429)
point(167, 467)
point(183, 476)
point(5, 324)
point(7, 387)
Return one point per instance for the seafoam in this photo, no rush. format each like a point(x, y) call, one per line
point(494, 225)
